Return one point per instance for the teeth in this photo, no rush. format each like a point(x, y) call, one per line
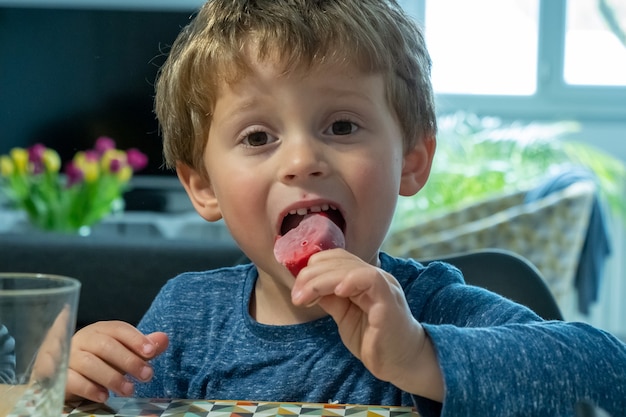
point(314, 209)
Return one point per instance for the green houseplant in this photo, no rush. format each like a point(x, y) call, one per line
point(479, 158)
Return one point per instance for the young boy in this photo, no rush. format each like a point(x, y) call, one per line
point(276, 110)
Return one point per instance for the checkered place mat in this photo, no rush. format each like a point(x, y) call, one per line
point(135, 407)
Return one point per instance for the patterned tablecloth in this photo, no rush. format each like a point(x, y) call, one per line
point(134, 407)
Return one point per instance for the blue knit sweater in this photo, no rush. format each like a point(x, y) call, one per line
point(7, 356)
point(497, 357)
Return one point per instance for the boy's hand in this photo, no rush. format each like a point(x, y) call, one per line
point(101, 356)
point(374, 320)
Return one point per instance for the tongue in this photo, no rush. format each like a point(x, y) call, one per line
point(315, 233)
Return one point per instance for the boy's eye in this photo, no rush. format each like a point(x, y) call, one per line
point(342, 127)
point(259, 138)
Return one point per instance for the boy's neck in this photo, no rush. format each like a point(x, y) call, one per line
point(271, 304)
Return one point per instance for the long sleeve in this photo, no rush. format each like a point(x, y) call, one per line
point(529, 369)
point(7, 357)
point(498, 358)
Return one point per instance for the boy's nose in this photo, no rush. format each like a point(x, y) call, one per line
point(303, 158)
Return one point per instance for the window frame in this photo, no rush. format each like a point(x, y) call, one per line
point(554, 99)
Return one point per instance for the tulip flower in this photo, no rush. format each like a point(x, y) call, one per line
point(90, 189)
point(91, 170)
point(51, 160)
point(74, 174)
point(136, 159)
point(6, 166)
point(20, 160)
point(103, 144)
point(124, 174)
point(35, 157)
point(112, 160)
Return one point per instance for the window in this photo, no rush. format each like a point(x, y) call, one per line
point(533, 59)
point(595, 43)
point(483, 46)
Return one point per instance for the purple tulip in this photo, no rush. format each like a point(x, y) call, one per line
point(92, 156)
point(74, 174)
point(103, 144)
point(136, 159)
point(115, 165)
point(35, 157)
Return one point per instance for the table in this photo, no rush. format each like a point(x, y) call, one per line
point(135, 407)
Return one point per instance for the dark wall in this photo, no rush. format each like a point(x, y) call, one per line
point(68, 76)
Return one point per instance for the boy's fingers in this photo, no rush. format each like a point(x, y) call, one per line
point(108, 332)
point(104, 353)
point(160, 342)
point(137, 366)
point(79, 387)
point(132, 338)
point(109, 371)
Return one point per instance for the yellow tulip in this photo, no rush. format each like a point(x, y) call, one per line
point(112, 160)
point(91, 170)
point(6, 166)
point(20, 160)
point(51, 160)
point(79, 159)
point(124, 174)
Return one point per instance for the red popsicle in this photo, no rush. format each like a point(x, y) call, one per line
point(315, 233)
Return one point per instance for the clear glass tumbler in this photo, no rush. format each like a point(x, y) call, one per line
point(37, 320)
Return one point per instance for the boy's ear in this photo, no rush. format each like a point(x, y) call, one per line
point(416, 165)
point(200, 192)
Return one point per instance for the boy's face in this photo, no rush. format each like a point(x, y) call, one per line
point(304, 141)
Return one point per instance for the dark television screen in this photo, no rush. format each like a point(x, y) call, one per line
point(68, 76)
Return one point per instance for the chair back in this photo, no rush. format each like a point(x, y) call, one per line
point(120, 277)
point(508, 274)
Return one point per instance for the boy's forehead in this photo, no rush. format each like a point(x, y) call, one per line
point(268, 61)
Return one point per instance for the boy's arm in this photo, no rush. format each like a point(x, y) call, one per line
point(499, 358)
point(495, 357)
point(533, 369)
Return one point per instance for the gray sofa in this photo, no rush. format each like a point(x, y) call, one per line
point(119, 276)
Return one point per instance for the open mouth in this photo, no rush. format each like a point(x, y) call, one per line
point(293, 219)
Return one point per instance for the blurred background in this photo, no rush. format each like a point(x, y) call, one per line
point(525, 90)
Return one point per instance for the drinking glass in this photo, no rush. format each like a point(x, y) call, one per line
point(37, 320)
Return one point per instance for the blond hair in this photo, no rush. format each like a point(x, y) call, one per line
point(375, 35)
